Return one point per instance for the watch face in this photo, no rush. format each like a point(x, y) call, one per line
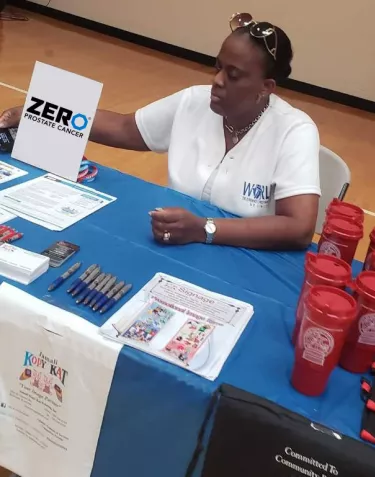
point(210, 228)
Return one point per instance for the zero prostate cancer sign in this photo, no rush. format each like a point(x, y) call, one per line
point(56, 120)
point(54, 116)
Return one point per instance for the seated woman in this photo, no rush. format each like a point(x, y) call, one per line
point(236, 145)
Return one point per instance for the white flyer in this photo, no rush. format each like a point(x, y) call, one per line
point(53, 202)
point(5, 216)
point(55, 377)
point(9, 172)
point(56, 120)
point(181, 323)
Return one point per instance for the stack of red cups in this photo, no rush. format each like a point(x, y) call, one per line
point(342, 230)
point(333, 326)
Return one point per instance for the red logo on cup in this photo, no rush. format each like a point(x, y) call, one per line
point(329, 248)
point(366, 327)
point(318, 344)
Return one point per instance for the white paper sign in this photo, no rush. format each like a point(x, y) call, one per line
point(56, 120)
point(55, 375)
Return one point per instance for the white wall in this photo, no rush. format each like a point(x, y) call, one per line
point(334, 40)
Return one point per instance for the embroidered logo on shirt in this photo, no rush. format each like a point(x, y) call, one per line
point(258, 195)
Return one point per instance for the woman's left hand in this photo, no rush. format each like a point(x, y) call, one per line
point(174, 225)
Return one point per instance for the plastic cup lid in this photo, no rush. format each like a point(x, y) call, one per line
point(344, 227)
point(332, 301)
point(336, 215)
point(345, 208)
point(328, 267)
point(365, 283)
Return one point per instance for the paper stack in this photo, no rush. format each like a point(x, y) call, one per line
point(181, 323)
point(21, 265)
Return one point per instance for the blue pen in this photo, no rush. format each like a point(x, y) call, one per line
point(102, 293)
point(103, 299)
point(97, 289)
point(86, 282)
point(89, 287)
point(61, 279)
point(110, 303)
point(79, 280)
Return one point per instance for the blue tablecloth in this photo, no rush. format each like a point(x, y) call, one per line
point(155, 409)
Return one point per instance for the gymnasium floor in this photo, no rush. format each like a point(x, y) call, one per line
point(134, 76)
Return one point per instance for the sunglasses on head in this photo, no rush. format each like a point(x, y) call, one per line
point(263, 30)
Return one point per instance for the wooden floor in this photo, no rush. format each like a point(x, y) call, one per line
point(134, 76)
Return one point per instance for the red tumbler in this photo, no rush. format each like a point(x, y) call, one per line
point(346, 210)
point(359, 350)
point(340, 238)
point(369, 263)
point(329, 313)
point(320, 269)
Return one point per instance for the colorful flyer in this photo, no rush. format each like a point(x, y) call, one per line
point(148, 324)
point(189, 340)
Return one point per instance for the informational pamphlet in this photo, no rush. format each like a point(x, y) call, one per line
point(53, 202)
point(21, 265)
point(55, 375)
point(5, 216)
point(181, 323)
point(8, 172)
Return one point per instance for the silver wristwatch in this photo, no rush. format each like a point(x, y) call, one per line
point(210, 229)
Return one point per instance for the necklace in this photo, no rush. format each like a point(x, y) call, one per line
point(239, 132)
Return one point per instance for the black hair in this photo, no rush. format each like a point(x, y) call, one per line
point(278, 69)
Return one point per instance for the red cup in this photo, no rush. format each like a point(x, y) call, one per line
point(359, 350)
point(345, 209)
point(340, 238)
point(329, 313)
point(320, 270)
point(369, 263)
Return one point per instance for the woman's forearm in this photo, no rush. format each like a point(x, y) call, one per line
point(269, 232)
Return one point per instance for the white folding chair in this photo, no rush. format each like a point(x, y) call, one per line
point(334, 181)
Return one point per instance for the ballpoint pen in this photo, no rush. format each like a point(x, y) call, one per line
point(61, 279)
point(103, 299)
point(110, 303)
point(89, 287)
point(94, 274)
point(84, 275)
point(97, 289)
point(109, 286)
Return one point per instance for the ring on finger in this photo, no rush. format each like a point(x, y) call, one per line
point(166, 236)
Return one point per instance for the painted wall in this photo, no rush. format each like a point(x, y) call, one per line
point(333, 40)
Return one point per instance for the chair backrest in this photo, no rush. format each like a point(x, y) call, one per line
point(334, 180)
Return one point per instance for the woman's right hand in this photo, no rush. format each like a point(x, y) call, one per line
point(11, 117)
